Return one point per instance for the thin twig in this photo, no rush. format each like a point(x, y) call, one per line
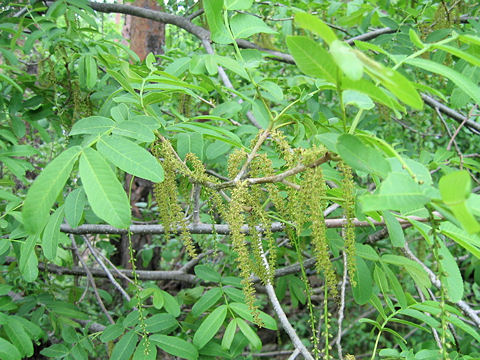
point(191, 263)
point(281, 314)
point(105, 269)
point(194, 15)
point(279, 177)
point(91, 280)
point(120, 274)
point(294, 355)
point(342, 307)
point(261, 139)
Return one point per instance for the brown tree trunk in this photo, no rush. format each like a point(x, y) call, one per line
point(146, 36)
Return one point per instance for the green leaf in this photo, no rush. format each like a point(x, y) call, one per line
point(210, 326)
point(158, 299)
point(190, 143)
point(111, 332)
point(473, 332)
point(317, 26)
point(10, 352)
point(244, 26)
point(17, 335)
point(162, 323)
point(131, 158)
point(312, 59)
point(171, 304)
point(207, 300)
point(453, 281)
point(468, 241)
point(175, 346)
point(361, 101)
point(362, 157)
point(68, 310)
point(92, 125)
point(395, 286)
point(218, 30)
point(229, 334)
point(244, 311)
point(210, 131)
point(464, 83)
point(238, 4)
point(105, 194)
point(460, 54)
point(422, 317)
point(91, 71)
point(143, 352)
point(345, 58)
point(45, 189)
point(415, 39)
point(252, 337)
point(232, 65)
point(395, 82)
point(455, 189)
point(362, 292)
point(376, 93)
point(136, 130)
point(207, 273)
point(125, 346)
point(216, 149)
point(122, 81)
point(28, 263)
point(74, 205)
point(366, 252)
point(55, 351)
point(273, 90)
point(51, 234)
point(395, 230)
point(11, 82)
point(397, 192)
point(415, 270)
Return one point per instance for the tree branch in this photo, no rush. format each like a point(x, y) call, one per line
point(221, 229)
point(458, 117)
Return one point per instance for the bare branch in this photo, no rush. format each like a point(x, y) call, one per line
point(221, 229)
point(105, 269)
point(460, 118)
point(174, 275)
point(341, 309)
point(281, 314)
point(91, 280)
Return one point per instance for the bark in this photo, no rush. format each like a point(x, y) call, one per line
point(145, 35)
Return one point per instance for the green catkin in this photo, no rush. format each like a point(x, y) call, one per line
point(235, 161)
point(262, 166)
point(348, 230)
point(235, 220)
point(170, 212)
point(283, 146)
point(313, 191)
point(184, 105)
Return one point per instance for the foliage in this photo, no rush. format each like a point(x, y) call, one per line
point(273, 159)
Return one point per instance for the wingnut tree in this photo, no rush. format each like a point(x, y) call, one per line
point(287, 180)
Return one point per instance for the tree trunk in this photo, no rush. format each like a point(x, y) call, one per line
point(145, 35)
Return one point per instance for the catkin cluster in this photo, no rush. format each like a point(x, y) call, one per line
point(170, 212)
point(348, 187)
